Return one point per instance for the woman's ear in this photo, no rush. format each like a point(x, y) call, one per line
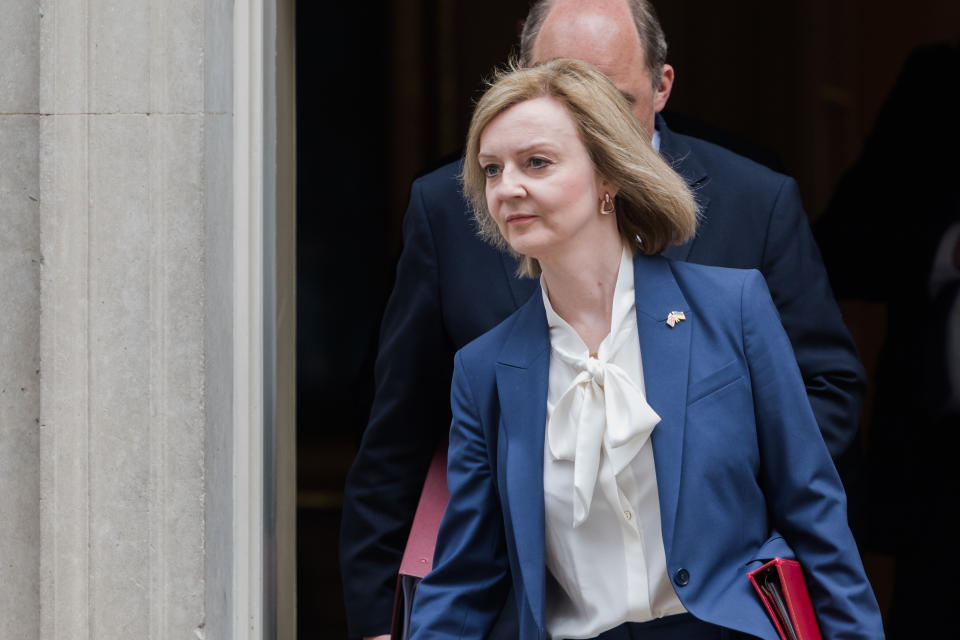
point(606, 186)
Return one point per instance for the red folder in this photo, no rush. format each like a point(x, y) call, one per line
point(418, 554)
point(784, 595)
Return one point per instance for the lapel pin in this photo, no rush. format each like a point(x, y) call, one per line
point(674, 317)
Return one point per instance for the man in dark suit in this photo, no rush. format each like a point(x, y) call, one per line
point(451, 287)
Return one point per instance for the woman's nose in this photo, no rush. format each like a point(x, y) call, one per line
point(512, 184)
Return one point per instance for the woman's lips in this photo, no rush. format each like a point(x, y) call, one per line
point(519, 219)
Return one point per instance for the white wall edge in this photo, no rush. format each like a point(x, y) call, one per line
point(248, 480)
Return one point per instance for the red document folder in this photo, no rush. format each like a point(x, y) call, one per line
point(418, 554)
point(784, 595)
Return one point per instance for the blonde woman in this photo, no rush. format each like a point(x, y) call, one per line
point(633, 440)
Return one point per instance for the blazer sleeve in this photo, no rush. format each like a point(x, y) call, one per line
point(802, 488)
point(463, 594)
point(832, 373)
point(408, 420)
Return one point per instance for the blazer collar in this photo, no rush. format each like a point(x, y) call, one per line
point(677, 152)
point(522, 372)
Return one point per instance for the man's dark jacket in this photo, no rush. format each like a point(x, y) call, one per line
point(451, 287)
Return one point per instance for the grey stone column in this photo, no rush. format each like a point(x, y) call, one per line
point(19, 322)
point(134, 156)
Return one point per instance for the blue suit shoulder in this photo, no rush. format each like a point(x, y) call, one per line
point(747, 206)
point(442, 174)
point(442, 184)
point(718, 299)
point(724, 165)
point(744, 198)
point(710, 285)
point(707, 275)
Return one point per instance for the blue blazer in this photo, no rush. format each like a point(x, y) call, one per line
point(451, 287)
point(742, 470)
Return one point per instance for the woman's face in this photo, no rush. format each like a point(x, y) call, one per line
point(541, 186)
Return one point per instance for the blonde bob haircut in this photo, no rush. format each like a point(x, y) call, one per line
point(654, 206)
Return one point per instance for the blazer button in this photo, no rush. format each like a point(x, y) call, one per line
point(681, 578)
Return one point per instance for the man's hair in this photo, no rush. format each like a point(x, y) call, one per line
point(654, 206)
point(652, 40)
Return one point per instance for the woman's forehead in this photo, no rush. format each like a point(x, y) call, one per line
point(543, 118)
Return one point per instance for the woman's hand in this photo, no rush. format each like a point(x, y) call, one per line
point(385, 636)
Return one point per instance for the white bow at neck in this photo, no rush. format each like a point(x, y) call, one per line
point(603, 412)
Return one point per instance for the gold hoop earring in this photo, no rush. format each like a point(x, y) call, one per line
point(606, 207)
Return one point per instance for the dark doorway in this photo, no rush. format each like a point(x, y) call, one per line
point(343, 264)
point(383, 94)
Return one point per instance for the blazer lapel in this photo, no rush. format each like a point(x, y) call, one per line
point(675, 150)
point(523, 366)
point(665, 354)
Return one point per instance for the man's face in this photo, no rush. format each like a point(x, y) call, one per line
point(603, 34)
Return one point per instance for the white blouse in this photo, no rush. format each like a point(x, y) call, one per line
point(604, 547)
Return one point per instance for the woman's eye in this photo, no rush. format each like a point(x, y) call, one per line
point(491, 170)
point(539, 163)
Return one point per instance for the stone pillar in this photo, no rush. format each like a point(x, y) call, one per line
point(19, 321)
point(118, 316)
point(134, 157)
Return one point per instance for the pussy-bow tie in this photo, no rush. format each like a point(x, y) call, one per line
point(602, 412)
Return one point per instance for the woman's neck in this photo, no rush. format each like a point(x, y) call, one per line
point(581, 285)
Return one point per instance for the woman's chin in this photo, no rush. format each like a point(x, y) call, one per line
point(526, 246)
point(525, 250)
